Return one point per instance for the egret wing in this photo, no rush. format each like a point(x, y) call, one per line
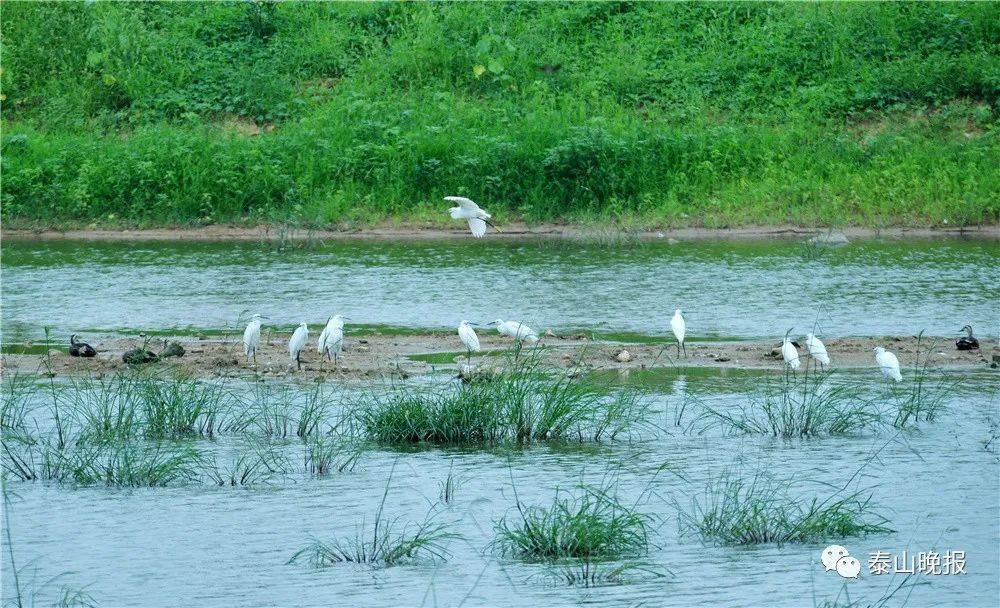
point(477, 227)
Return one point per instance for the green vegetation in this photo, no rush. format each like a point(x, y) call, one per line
point(594, 525)
point(796, 405)
point(386, 544)
point(639, 113)
point(520, 404)
point(738, 511)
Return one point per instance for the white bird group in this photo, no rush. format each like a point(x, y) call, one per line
point(330, 343)
point(887, 362)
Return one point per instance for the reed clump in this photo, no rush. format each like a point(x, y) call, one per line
point(801, 405)
point(593, 524)
point(759, 509)
point(520, 404)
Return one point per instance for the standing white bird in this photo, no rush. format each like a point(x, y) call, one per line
point(331, 339)
point(888, 363)
point(817, 350)
point(251, 338)
point(297, 343)
point(517, 330)
point(679, 326)
point(468, 210)
point(790, 354)
point(469, 338)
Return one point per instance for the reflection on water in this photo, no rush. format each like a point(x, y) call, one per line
point(743, 289)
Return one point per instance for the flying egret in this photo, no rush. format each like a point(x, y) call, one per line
point(251, 338)
point(888, 363)
point(817, 350)
point(331, 339)
point(469, 338)
point(790, 354)
point(517, 330)
point(679, 326)
point(468, 210)
point(297, 343)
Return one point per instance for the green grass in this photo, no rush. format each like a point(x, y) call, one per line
point(386, 543)
point(795, 405)
point(521, 404)
point(591, 525)
point(638, 113)
point(748, 511)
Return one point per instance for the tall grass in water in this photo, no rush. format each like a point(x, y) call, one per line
point(924, 392)
point(256, 463)
point(126, 463)
point(385, 544)
point(796, 405)
point(325, 454)
point(521, 404)
point(15, 398)
point(737, 511)
point(127, 405)
point(591, 525)
point(281, 411)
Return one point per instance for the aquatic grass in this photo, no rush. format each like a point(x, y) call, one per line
point(923, 394)
point(130, 404)
point(327, 454)
point(257, 463)
point(387, 543)
point(522, 403)
point(123, 463)
point(737, 511)
point(588, 574)
point(281, 411)
point(795, 405)
point(180, 408)
point(15, 403)
point(591, 525)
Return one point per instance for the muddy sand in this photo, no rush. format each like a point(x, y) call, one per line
point(393, 356)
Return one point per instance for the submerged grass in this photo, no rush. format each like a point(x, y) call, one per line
point(386, 544)
point(746, 511)
point(520, 404)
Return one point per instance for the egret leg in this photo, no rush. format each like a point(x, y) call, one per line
point(321, 360)
point(684, 346)
point(298, 360)
point(336, 360)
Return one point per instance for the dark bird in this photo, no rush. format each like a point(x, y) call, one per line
point(80, 349)
point(968, 342)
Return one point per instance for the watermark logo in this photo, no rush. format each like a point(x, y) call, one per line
point(839, 559)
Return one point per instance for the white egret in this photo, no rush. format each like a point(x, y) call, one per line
point(469, 338)
point(468, 210)
point(517, 330)
point(888, 363)
point(790, 354)
point(331, 339)
point(679, 326)
point(251, 338)
point(297, 343)
point(817, 350)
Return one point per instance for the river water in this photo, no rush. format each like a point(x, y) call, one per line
point(199, 544)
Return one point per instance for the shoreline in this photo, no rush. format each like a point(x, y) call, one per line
point(375, 355)
point(515, 230)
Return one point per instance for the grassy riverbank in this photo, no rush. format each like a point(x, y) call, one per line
point(648, 114)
